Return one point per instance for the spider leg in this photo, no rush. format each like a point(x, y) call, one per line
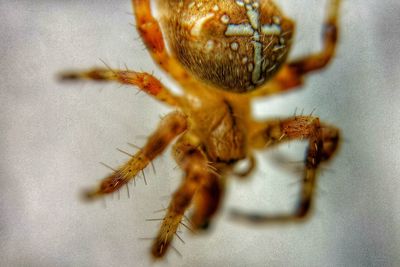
point(197, 175)
point(292, 74)
point(212, 184)
point(207, 200)
point(323, 142)
point(171, 126)
point(152, 36)
point(146, 82)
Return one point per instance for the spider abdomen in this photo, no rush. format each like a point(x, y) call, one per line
point(234, 45)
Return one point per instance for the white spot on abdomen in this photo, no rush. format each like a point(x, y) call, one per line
point(209, 45)
point(234, 46)
point(198, 25)
point(225, 19)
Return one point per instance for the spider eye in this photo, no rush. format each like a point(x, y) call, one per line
point(234, 45)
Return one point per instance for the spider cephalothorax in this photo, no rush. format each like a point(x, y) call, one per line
point(239, 47)
point(235, 45)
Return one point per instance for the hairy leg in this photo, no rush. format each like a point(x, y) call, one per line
point(171, 126)
point(146, 82)
point(323, 142)
point(292, 74)
point(197, 174)
point(152, 36)
point(207, 201)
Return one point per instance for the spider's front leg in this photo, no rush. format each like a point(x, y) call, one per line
point(323, 142)
point(146, 82)
point(171, 126)
point(152, 36)
point(201, 185)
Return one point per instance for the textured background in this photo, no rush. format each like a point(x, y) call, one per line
point(52, 135)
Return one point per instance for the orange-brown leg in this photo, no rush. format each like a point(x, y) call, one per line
point(207, 200)
point(197, 176)
point(323, 142)
point(292, 74)
point(151, 34)
point(171, 126)
point(180, 202)
point(144, 81)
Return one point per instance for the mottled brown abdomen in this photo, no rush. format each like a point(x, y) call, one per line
point(234, 45)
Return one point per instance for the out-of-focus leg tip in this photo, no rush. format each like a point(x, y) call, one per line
point(234, 214)
point(89, 195)
point(68, 76)
point(245, 217)
point(157, 255)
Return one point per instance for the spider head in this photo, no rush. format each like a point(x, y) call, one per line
point(236, 45)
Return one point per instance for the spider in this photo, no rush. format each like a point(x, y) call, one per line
point(223, 54)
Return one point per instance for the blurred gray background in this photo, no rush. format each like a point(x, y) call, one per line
point(53, 135)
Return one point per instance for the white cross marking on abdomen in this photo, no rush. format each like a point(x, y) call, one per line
point(253, 29)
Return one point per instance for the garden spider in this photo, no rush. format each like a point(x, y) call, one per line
point(223, 54)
